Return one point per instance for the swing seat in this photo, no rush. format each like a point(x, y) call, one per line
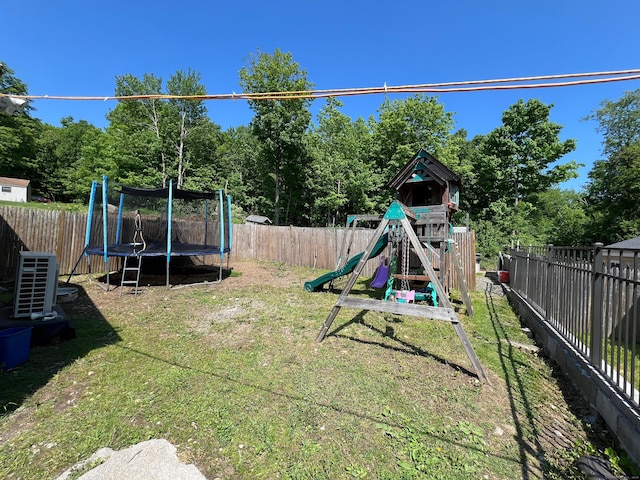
point(381, 276)
point(406, 296)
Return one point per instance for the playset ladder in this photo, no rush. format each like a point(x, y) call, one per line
point(135, 269)
point(398, 213)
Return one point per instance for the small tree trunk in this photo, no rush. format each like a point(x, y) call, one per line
point(276, 205)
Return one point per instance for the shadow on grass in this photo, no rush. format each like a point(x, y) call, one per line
point(91, 331)
point(183, 271)
point(343, 410)
point(389, 332)
point(523, 417)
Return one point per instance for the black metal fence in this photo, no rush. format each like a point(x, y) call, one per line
point(591, 297)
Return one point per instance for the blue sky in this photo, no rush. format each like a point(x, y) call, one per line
point(77, 48)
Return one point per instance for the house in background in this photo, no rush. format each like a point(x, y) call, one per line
point(15, 189)
point(259, 219)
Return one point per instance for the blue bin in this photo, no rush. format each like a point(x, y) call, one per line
point(14, 346)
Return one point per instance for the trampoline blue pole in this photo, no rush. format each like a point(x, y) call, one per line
point(169, 222)
point(221, 210)
point(92, 202)
point(120, 211)
point(230, 220)
point(105, 223)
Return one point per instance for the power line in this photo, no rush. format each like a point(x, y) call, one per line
point(553, 81)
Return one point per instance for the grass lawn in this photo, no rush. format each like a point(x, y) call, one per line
point(231, 374)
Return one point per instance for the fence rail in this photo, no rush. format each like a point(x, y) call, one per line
point(63, 233)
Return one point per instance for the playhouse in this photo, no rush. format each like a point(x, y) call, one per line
point(432, 192)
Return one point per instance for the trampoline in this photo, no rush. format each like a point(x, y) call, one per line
point(157, 222)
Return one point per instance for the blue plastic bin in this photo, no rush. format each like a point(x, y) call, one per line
point(14, 346)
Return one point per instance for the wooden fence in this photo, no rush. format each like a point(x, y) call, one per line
point(63, 233)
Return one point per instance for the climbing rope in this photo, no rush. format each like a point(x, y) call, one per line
point(138, 238)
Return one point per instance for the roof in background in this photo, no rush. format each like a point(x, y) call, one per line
point(629, 243)
point(258, 219)
point(14, 182)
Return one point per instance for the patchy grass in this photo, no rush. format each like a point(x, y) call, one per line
point(231, 374)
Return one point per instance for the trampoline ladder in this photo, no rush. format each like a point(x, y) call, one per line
point(134, 269)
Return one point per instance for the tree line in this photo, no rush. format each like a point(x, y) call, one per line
point(314, 172)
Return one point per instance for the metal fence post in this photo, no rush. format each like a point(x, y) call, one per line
point(548, 304)
point(597, 285)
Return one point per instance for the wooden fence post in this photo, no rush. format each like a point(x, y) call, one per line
point(60, 247)
point(597, 285)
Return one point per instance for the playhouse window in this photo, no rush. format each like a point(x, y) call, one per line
point(6, 189)
point(454, 195)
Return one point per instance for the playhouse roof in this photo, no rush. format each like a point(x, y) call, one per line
point(426, 162)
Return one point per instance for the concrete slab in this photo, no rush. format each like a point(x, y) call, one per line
point(151, 460)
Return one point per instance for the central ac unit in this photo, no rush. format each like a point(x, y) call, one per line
point(36, 284)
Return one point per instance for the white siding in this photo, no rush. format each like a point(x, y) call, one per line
point(16, 194)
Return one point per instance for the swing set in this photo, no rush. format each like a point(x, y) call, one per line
point(396, 224)
point(398, 287)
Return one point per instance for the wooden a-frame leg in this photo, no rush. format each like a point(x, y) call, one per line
point(352, 280)
point(444, 299)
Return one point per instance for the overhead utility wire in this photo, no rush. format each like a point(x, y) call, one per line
point(448, 87)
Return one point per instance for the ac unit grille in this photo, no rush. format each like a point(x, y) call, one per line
point(36, 284)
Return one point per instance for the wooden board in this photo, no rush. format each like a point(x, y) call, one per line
point(411, 309)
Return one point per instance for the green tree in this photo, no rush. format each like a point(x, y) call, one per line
point(559, 217)
point(342, 176)
point(613, 195)
point(466, 166)
point(12, 85)
point(60, 155)
point(204, 161)
point(240, 164)
point(613, 191)
point(18, 133)
point(190, 116)
point(280, 125)
point(521, 153)
point(619, 122)
point(404, 126)
point(139, 122)
point(162, 127)
point(513, 168)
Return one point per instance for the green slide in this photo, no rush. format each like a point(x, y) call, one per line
point(315, 285)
